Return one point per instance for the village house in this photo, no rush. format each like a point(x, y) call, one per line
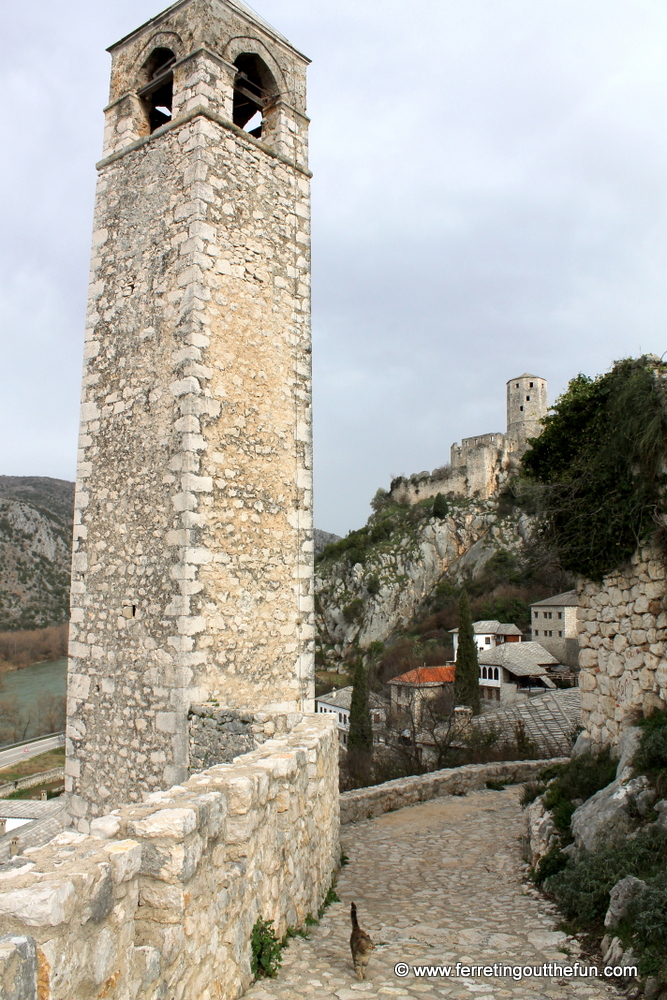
point(512, 671)
point(489, 634)
point(554, 624)
point(411, 691)
point(338, 703)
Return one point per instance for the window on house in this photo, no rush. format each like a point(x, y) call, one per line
point(536, 614)
point(560, 614)
point(537, 631)
point(495, 673)
point(517, 385)
point(484, 672)
point(487, 640)
point(158, 93)
point(560, 635)
point(530, 385)
point(254, 91)
point(521, 408)
point(528, 399)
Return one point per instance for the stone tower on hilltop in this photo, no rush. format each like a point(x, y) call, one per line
point(481, 465)
point(192, 569)
point(526, 405)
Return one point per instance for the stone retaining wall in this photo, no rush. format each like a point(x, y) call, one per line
point(43, 778)
point(160, 899)
point(365, 803)
point(623, 640)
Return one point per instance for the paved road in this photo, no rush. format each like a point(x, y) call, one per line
point(438, 883)
point(16, 754)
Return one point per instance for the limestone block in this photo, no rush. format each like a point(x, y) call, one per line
point(18, 968)
point(146, 962)
point(172, 823)
point(105, 827)
point(588, 658)
point(628, 747)
point(587, 680)
point(124, 858)
point(40, 905)
point(606, 818)
point(541, 832)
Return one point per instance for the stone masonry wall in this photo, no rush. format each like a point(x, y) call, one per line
point(364, 803)
point(160, 900)
point(218, 735)
point(623, 642)
point(192, 570)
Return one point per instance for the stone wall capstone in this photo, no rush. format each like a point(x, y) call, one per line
point(365, 803)
point(160, 899)
point(622, 643)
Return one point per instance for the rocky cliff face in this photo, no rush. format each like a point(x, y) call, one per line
point(374, 587)
point(35, 551)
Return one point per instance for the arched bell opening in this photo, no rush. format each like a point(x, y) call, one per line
point(157, 94)
point(255, 91)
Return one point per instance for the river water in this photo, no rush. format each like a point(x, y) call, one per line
point(28, 684)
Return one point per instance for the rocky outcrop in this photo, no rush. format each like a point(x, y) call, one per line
point(621, 897)
point(360, 603)
point(541, 832)
point(35, 551)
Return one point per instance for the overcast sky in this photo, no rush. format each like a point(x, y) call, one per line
point(490, 197)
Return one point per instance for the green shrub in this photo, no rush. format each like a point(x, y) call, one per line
point(554, 861)
point(598, 466)
point(651, 756)
point(530, 792)
point(575, 782)
point(647, 919)
point(353, 611)
point(582, 888)
point(266, 948)
point(440, 506)
point(373, 584)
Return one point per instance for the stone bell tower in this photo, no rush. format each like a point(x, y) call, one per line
point(192, 573)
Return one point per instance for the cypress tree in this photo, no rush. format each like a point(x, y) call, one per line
point(440, 506)
point(360, 736)
point(467, 668)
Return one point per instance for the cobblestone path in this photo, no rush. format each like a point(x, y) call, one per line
point(438, 883)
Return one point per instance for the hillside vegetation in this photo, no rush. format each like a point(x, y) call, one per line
point(389, 590)
point(35, 551)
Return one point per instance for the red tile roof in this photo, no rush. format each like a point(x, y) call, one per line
point(427, 675)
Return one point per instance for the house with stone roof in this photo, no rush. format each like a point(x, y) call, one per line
point(489, 634)
point(515, 670)
point(411, 690)
point(339, 702)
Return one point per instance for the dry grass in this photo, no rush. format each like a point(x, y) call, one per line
point(45, 761)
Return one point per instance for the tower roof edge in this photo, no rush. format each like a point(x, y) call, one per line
point(525, 375)
point(237, 5)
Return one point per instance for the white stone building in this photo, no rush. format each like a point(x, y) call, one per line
point(489, 634)
point(513, 671)
point(338, 703)
point(554, 625)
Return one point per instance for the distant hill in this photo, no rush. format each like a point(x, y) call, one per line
point(35, 546)
point(322, 538)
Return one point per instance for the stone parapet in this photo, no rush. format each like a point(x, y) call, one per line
point(218, 735)
point(622, 626)
point(160, 899)
point(365, 803)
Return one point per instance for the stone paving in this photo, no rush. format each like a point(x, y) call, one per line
point(437, 883)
